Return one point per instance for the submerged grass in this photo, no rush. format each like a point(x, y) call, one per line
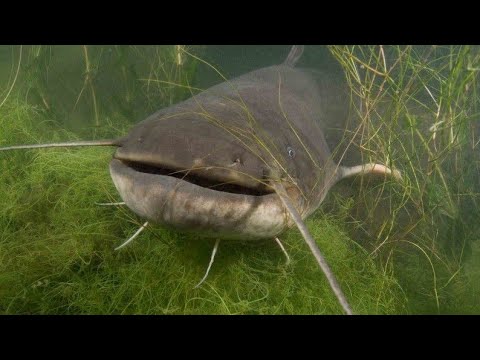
point(85, 86)
point(419, 111)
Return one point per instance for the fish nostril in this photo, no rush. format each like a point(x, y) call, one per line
point(235, 162)
point(291, 152)
point(265, 173)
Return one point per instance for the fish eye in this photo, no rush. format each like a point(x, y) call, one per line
point(291, 152)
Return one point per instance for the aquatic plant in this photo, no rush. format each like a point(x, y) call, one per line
point(418, 107)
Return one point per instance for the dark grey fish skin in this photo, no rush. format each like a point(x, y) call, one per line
point(229, 142)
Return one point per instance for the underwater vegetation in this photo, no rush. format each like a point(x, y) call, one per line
point(424, 101)
point(395, 248)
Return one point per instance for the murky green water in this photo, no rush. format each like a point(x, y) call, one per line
point(423, 234)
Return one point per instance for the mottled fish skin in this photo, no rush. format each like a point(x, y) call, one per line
point(260, 127)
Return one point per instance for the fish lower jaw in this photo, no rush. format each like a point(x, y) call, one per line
point(180, 204)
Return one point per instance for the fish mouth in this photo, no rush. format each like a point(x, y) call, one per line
point(201, 178)
point(189, 201)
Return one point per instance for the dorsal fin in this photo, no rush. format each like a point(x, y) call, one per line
point(294, 55)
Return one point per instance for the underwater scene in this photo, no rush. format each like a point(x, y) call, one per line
point(239, 179)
